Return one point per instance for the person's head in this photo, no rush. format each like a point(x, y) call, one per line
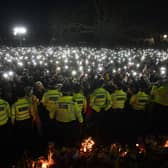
point(99, 83)
point(20, 92)
point(28, 91)
point(39, 86)
point(51, 84)
point(59, 86)
point(66, 89)
point(76, 88)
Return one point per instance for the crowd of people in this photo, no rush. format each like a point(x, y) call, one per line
point(64, 94)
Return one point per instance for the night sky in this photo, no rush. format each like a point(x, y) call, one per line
point(44, 18)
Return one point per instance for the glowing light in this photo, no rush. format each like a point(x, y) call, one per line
point(142, 58)
point(58, 68)
point(5, 75)
point(100, 68)
point(87, 145)
point(166, 144)
point(74, 73)
point(66, 60)
point(39, 57)
point(134, 73)
point(66, 67)
point(86, 62)
point(137, 145)
point(114, 71)
point(137, 65)
point(11, 73)
point(165, 36)
point(44, 165)
point(19, 31)
point(81, 68)
point(20, 64)
point(125, 67)
point(163, 71)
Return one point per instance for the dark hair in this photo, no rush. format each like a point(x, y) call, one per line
point(19, 92)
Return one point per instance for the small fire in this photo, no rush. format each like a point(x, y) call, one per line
point(44, 165)
point(87, 145)
point(166, 144)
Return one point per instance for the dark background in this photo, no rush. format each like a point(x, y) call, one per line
point(103, 22)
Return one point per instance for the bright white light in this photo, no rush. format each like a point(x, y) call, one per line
point(134, 73)
point(10, 73)
point(114, 71)
point(5, 75)
point(58, 68)
point(34, 63)
point(39, 57)
point(20, 64)
point(125, 67)
point(138, 65)
point(86, 75)
point(142, 58)
point(165, 36)
point(66, 67)
point(163, 70)
point(100, 68)
point(86, 62)
point(74, 73)
point(81, 68)
point(19, 31)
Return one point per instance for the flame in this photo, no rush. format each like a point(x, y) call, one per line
point(87, 145)
point(166, 144)
point(44, 165)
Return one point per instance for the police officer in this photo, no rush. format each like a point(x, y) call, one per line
point(50, 97)
point(159, 113)
point(22, 121)
point(80, 99)
point(49, 100)
point(4, 129)
point(139, 102)
point(100, 103)
point(119, 98)
point(116, 114)
point(68, 118)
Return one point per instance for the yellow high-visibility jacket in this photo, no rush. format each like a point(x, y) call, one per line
point(80, 99)
point(119, 98)
point(67, 110)
point(49, 100)
point(100, 99)
point(21, 110)
point(139, 101)
point(160, 95)
point(4, 112)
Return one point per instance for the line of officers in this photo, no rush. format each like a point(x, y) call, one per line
point(58, 114)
